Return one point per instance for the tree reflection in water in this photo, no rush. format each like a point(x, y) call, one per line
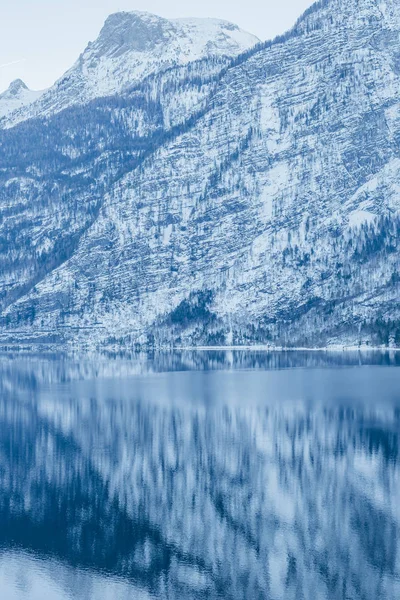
point(202, 499)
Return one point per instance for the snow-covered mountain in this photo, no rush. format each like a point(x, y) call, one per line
point(221, 201)
point(17, 96)
point(134, 45)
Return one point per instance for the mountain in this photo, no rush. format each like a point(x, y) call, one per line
point(17, 96)
point(245, 201)
point(133, 45)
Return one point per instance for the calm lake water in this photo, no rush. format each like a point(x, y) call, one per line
point(200, 475)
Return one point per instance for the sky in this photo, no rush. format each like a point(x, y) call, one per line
point(41, 39)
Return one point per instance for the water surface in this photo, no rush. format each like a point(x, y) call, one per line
point(200, 475)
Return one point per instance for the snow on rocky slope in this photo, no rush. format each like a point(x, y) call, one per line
point(133, 45)
point(267, 213)
point(17, 96)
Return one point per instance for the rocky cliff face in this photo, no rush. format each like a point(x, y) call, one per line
point(214, 203)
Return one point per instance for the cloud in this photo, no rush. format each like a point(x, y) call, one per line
point(14, 62)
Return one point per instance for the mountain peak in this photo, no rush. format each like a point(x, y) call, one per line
point(137, 31)
point(133, 45)
point(16, 86)
point(143, 32)
point(16, 96)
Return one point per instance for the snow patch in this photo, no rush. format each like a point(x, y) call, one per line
point(359, 217)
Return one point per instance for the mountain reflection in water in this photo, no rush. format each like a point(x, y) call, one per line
point(125, 479)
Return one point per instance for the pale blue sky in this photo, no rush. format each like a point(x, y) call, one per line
point(47, 36)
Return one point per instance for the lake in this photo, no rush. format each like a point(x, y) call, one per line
point(233, 475)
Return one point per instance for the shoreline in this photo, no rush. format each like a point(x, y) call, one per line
point(46, 349)
point(271, 349)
